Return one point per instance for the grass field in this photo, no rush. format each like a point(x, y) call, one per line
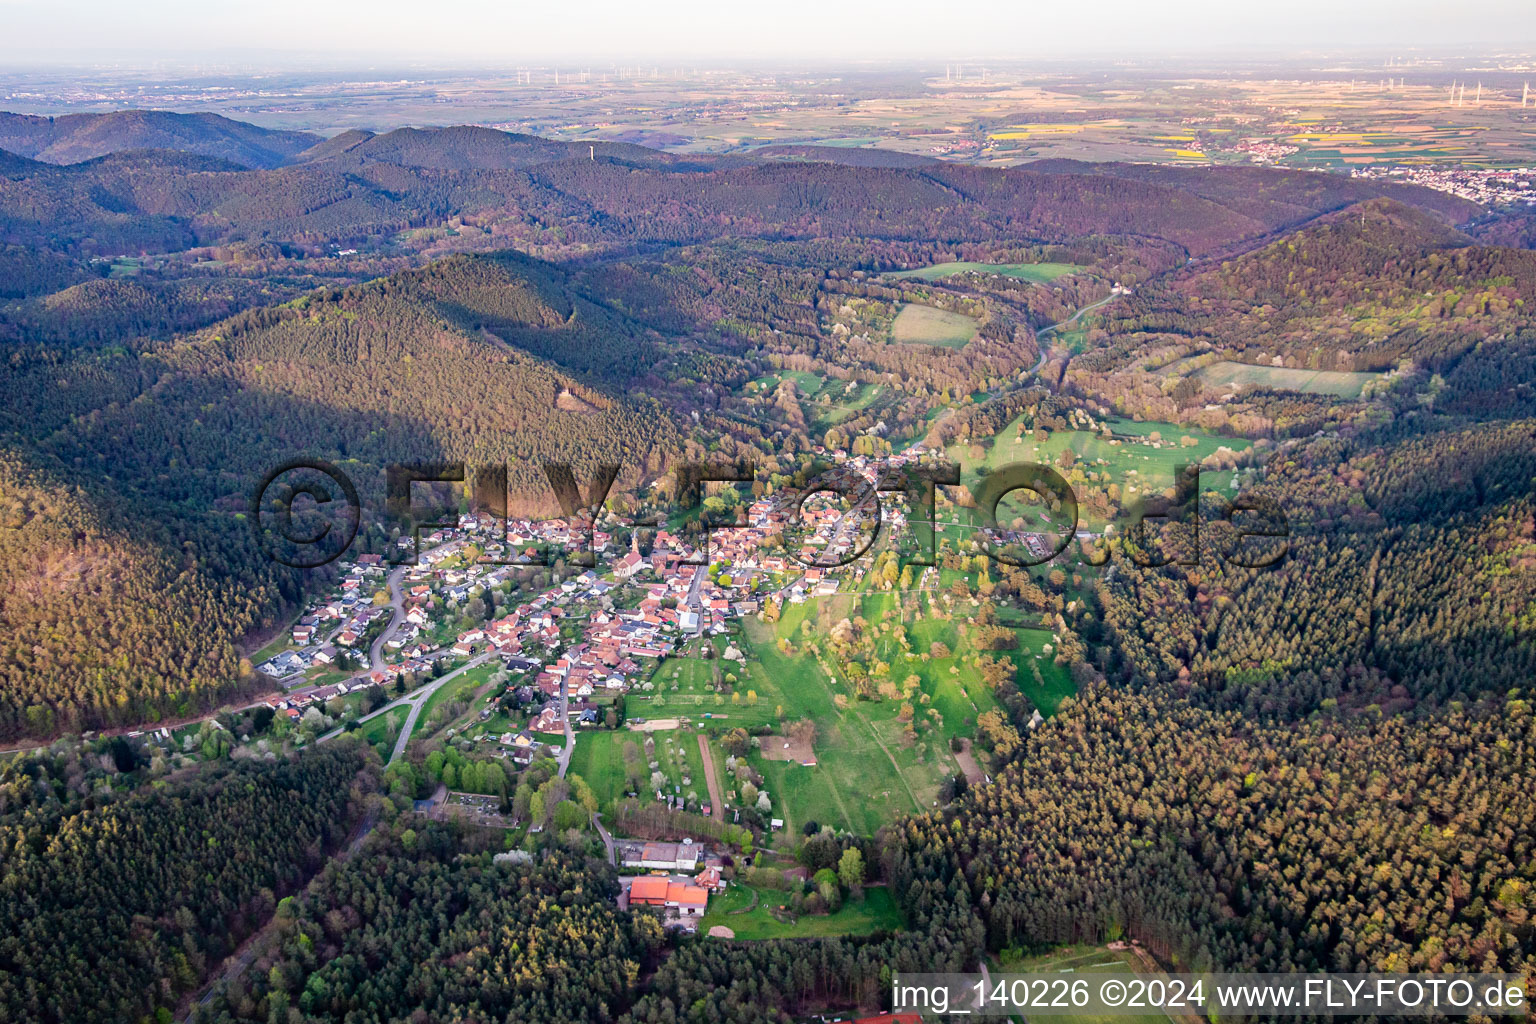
point(1039, 273)
point(871, 768)
point(1076, 960)
point(460, 688)
point(924, 325)
point(877, 911)
point(599, 759)
point(1317, 382)
point(1138, 466)
point(382, 730)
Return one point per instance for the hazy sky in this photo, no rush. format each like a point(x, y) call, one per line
point(483, 30)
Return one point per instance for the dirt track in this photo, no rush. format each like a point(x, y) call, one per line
point(712, 779)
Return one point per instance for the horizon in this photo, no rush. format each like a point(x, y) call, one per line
point(472, 33)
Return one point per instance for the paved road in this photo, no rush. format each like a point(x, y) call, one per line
point(693, 602)
point(570, 734)
point(1053, 328)
point(397, 608)
point(397, 614)
point(607, 839)
point(418, 700)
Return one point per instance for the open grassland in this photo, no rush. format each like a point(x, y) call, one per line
point(599, 759)
point(876, 911)
point(1040, 273)
point(825, 401)
point(876, 759)
point(381, 731)
point(1342, 383)
point(1071, 961)
point(1139, 457)
point(463, 687)
point(924, 325)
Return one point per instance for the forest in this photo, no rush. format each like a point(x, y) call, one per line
point(113, 909)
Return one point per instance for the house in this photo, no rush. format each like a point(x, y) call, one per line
point(303, 634)
point(687, 900)
point(547, 721)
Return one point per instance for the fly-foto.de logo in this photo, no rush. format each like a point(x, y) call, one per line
point(307, 512)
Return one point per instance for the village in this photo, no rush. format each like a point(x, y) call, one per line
point(618, 624)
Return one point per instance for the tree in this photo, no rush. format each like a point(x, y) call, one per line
point(850, 868)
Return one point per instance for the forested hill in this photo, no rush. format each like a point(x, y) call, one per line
point(119, 459)
point(562, 198)
point(1323, 845)
point(1377, 287)
point(71, 138)
point(470, 148)
point(1279, 195)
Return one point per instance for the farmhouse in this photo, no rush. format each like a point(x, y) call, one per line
point(688, 900)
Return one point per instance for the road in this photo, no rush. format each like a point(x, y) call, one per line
point(692, 601)
point(570, 734)
point(397, 608)
point(418, 700)
point(607, 839)
point(1053, 328)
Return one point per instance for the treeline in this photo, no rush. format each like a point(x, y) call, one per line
point(1407, 580)
point(1402, 844)
point(114, 911)
point(428, 927)
point(160, 201)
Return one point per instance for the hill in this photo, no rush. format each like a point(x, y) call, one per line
point(559, 198)
point(848, 156)
point(1280, 196)
point(470, 148)
point(72, 138)
point(119, 459)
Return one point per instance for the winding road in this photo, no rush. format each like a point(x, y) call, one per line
point(1053, 328)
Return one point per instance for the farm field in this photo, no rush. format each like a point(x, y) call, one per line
point(1342, 383)
point(876, 911)
point(1040, 273)
point(924, 325)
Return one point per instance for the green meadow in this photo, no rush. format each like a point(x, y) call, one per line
point(1344, 384)
point(1141, 457)
point(749, 913)
point(924, 325)
point(1069, 962)
point(1040, 273)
